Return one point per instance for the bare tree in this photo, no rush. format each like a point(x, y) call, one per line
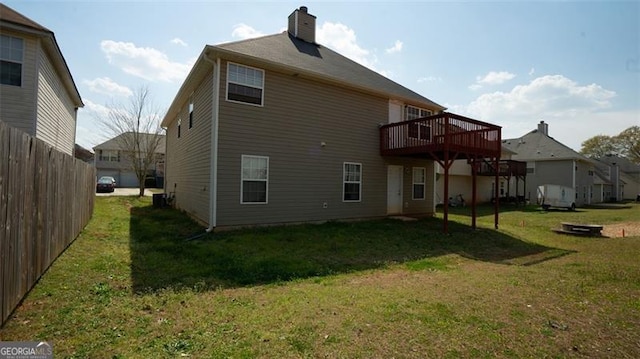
point(135, 125)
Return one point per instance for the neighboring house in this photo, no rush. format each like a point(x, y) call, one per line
point(627, 173)
point(281, 129)
point(37, 92)
point(111, 160)
point(83, 154)
point(511, 182)
point(551, 162)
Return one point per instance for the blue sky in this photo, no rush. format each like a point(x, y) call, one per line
point(575, 65)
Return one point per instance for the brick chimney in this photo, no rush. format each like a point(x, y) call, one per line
point(303, 25)
point(543, 127)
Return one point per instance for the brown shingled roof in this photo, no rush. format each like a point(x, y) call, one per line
point(10, 15)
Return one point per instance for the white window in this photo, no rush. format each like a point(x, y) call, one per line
point(109, 156)
point(245, 84)
point(190, 111)
point(255, 179)
point(420, 131)
point(412, 112)
point(11, 53)
point(352, 182)
point(419, 177)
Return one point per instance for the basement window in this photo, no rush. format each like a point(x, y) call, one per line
point(245, 84)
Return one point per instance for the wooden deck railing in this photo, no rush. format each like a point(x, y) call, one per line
point(438, 133)
point(506, 168)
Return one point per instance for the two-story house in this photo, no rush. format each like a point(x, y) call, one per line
point(37, 92)
point(281, 129)
point(113, 158)
point(551, 162)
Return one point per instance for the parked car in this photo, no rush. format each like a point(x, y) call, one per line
point(113, 180)
point(105, 184)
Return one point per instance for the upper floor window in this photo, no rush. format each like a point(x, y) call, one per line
point(245, 84)
point(11, 53)
point(412, 112)
point(179, 126)
point(109, 156)
point(418, 130)
point(190, 111)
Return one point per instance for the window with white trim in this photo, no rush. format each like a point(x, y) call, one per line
point(420, 131)
point(255, 179)
point(419, 179)
point(11, 55)
point(109, 156)
point(352, 182)
point(412, 112)
point(191, 111)
point(245, 84)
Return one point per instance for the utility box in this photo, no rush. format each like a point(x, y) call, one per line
point(159, 200)
point(553, 195)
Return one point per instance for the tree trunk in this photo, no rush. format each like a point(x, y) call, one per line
point(141, 189)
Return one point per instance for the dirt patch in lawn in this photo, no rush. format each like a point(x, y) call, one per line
point(631, 229)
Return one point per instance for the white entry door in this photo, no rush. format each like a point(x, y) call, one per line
point(394, 190)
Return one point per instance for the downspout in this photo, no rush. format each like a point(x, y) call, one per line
point(213, 178)
point(573, 171)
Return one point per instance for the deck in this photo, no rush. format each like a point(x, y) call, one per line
point(439, 136)
point(447, 137)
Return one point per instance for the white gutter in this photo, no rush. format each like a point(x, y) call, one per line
point(213, 178)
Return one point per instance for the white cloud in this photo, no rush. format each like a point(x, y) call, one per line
point(552, 95)
point(342, 39)
point(532, 71)
point(495, 78)
point(95, 110)
point(397, 47)
point(106, 86)
point(145, 62)
point(429, 79)
point(492, 78)
point(179, 41)
point(243, 31)
point(575, 112)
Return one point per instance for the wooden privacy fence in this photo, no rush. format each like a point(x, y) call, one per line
point(46, 199)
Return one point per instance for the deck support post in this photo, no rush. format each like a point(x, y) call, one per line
point(474, 195)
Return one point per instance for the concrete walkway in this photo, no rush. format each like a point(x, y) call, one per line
point(148, 192)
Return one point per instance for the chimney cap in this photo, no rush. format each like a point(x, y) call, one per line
point(304, 9)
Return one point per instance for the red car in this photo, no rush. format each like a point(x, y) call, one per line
point(105, 184)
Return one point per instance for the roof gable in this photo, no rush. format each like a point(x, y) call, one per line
point(536, 146)
point(115, 142)
point(314, 59)
point(286, 52)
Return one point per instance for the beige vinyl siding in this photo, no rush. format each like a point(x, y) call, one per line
point(410, 205)
point(188, 160)
point(584, 183)
point(56, 123)
point(17, 104)
point(298, 116)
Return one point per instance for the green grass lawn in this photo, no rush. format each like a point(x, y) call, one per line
point(140, 283)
